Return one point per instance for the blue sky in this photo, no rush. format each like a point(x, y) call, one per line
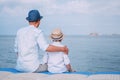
point(74, 17)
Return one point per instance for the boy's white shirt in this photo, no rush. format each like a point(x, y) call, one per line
point(56, 61)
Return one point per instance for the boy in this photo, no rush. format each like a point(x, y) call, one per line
point(57, 62)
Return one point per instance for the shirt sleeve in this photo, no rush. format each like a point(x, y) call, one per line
point(66, 59)
point(42, 42)
point(16, 45)
point(45, 58)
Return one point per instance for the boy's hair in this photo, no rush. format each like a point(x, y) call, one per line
point(57, 40)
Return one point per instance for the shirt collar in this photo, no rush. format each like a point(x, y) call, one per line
point(33, 26)
point(56, 42)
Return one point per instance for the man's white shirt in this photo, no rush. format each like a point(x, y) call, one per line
point(27, 44)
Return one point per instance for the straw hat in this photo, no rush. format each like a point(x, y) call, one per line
point(56, 34)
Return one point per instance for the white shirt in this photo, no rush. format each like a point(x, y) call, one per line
point(27, 44)
point(56, 61)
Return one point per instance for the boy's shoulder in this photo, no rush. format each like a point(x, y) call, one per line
point(57, 44)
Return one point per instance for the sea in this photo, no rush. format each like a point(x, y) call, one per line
point(86, 53)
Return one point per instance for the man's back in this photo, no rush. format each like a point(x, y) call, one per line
point(27, 48)
point(27, 39)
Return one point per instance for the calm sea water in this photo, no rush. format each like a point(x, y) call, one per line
point(91, 54)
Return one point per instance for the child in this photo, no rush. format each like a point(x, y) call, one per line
point(58, 62)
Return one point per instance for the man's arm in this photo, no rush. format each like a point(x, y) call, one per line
point(45, 58)
point(49, 48)
point(52, 48)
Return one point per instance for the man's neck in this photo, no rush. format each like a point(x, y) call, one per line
point(34, 24)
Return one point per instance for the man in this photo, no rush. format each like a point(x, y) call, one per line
point(27, 44)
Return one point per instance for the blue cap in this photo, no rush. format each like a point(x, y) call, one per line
point(34, 15)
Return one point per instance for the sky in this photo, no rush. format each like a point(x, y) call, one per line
point(73, 17)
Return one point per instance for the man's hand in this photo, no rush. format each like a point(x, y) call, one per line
point(66, 50)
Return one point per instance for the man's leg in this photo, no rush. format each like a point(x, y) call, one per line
point(42, 68)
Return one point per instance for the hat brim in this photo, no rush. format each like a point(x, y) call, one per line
point(60, 38)
point(41, 17)
point(28, 19)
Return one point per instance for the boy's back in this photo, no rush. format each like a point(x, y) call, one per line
point(56, 61)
